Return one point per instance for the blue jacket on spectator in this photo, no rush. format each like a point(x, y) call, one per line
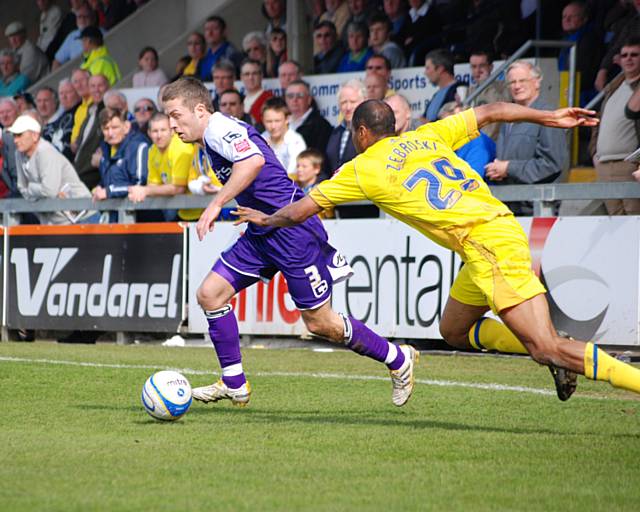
point(478, 152)
point(349, 63)
point(127, 167)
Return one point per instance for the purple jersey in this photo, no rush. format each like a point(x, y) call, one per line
point(227, 141)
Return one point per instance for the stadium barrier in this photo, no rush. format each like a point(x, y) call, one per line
point(133, 277)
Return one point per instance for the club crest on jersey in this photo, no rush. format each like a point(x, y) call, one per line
point(242, 146)
point(230, 136)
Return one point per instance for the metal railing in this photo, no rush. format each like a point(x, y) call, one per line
point(532, 43)
point(544, 198)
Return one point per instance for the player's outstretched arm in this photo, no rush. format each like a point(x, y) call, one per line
point(290, 215)
point(242, 175)
point(512, 113)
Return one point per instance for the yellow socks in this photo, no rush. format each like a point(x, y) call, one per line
point(490, 334)
point(598, 365)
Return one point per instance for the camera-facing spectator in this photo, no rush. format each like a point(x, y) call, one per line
point(43, 172)
point(307, 120)
point(80, 82)
point(402, 112)
point(423, 32)
point(254, 45)
point(232, 104)
point(196, 50)
point(150, 75)
point(224, 76)
point(89, 136)
point(34, 64)
point(481, 66)
point(526, 152)
point(330, 50)
point(276, 51)
point(381, 43)
point(288, 71)
point(58, 130)
point(340, 148)
point(377, 87)
point(254, 94)
point(285, 142)
point(12, 82)
point(215, 35)
point(25, 102)
point(47, 105)
point(98, 61)
point(359, 52)
point(169, 161)
point(143, 110)
point(396, 11)
point(309, 165)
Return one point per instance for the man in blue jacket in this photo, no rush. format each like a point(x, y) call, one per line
point(124, 156)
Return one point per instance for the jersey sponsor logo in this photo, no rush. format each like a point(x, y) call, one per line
point(96, 298)
point(231, 136)
point(242, 146)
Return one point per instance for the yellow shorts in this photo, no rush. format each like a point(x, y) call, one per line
point(497, 270)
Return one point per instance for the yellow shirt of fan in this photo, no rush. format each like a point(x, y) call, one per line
point(417, 178)
point(199, 167)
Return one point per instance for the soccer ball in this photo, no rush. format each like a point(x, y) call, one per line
point(166, 395)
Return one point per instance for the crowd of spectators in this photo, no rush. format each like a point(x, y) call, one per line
point(106, 148)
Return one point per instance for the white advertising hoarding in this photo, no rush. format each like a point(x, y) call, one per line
point(402, 279)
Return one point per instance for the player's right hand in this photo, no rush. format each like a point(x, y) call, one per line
point(207, 220)
point(250, 215)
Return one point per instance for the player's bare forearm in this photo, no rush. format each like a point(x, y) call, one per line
point(242, 175)
point(513, 113)
point(290, 215)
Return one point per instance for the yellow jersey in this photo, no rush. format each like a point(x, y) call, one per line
point(199, 167)
point(417, 178)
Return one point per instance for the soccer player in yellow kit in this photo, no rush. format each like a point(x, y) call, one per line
point(417, 178)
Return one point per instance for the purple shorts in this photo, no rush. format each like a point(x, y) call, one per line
point(309, 264)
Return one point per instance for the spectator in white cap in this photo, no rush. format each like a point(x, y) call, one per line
point(33, 61)
point(43, 172)
point(12, 82)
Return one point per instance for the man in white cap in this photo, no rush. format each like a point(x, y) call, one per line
point(33, 61)
point(43, 172)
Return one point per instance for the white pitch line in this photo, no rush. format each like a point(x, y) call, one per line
point(315, 375)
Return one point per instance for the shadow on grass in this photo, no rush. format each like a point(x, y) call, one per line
point(350, 418)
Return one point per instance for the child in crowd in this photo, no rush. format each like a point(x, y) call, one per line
point(285, 142)
point(150, 75)
point(308, 168)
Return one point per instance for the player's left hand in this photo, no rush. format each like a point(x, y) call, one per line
point(250, 215)
point(207, 220)
point(572, 117)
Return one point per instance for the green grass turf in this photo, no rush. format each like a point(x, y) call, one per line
point(75, 438)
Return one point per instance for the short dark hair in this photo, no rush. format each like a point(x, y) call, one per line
point(158, 116)
point(278, 104)
point(108, 113)
point(631, 41)
point(328, 24)
point(387, 62)
point(232, 91)
point(377, 116)
point(380, 17)
point(219, 20)
point(357, 26)
point(224, 65)
point(441, 57)
point(147, 49)
point(190, 90)
point(301, 82)
point(482, 52)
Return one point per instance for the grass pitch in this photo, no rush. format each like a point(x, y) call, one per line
point(319, 434)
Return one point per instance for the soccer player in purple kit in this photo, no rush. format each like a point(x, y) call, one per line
point(251, 174)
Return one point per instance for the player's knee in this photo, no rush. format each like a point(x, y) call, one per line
point(453, 336)
point(209, 299)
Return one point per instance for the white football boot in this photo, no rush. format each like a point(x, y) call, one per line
point(220, 391)
point(403, 378)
